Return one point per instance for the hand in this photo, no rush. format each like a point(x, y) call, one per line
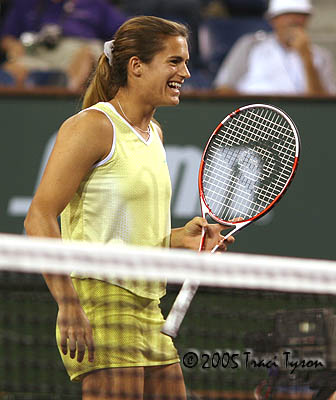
point(213, 237)
point(15, 51)
point(76, 332)
point(298, 40)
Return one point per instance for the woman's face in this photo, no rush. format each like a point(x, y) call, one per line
point(285, 26)
point(163, 77)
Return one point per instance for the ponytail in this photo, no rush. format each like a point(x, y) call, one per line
point(101, 84)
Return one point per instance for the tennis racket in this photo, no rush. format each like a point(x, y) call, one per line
point(246, 167)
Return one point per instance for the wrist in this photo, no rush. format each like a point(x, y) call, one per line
point(306, 54)
point(68, 303)
point(177, 238)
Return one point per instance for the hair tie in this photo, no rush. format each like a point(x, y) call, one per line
point(108, 50)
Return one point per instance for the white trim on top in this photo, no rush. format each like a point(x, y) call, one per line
point(114, 139)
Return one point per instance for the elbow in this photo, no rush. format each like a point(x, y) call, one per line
point(42, 217)
point(41, 222)
point(29, 221)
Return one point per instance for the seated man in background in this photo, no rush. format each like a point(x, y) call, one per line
point(57, 35)
point(281, 62)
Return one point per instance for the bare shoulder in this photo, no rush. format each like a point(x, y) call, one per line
point(88, 122)
point(89, 131)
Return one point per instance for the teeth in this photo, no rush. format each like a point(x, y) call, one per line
point(174, 85)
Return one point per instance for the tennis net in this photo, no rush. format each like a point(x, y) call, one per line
point(259, 327)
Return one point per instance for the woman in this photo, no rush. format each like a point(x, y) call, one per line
point(108, 178)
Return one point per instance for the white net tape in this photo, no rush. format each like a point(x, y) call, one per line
point(230, 270)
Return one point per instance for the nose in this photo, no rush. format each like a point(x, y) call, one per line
point(185, 72)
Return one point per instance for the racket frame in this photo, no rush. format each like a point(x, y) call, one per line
point(242, 224)
point(189, 288)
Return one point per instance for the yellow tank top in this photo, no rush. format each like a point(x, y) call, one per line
point(125, 198)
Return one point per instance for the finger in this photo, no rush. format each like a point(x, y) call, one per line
point(202, 222)
point(225, 227)
point(64, 343)
point(214, 229)
point(90, 345)
point(230, 239)
point(195, 226)
point(80, 349)
point(72, 346)
point(222, 246)
point(235, 220)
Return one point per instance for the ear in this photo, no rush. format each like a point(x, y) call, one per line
point(135, 66)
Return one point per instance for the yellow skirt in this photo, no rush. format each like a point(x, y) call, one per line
point(126, 330)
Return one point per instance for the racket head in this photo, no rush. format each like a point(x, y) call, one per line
point(248, 164)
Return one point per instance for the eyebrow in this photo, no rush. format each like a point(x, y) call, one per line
point(178, 58)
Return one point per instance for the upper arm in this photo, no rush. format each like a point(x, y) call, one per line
point(81, 141)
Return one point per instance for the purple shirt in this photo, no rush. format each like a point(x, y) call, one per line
point(88, 19)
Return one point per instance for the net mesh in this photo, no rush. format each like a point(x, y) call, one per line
point(259, 326)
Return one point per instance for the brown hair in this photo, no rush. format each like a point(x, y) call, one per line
point(139, 36)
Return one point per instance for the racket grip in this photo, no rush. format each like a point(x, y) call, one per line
point(215, 248)
point(236, 229)
point(202, 240)
point(179, 308)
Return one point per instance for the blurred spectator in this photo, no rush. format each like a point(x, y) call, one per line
point(4, 4)
point(185, 11)
point(56, 36)
point(281, 62)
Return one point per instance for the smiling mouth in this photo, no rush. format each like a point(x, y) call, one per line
point(175, 85)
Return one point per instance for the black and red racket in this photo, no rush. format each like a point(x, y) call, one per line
point(247, 165)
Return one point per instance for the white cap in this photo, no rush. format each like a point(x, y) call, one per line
point(278, 7)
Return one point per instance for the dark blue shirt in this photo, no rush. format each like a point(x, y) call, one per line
point(77, 18)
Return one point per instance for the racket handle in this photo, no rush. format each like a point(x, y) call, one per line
point(225, 237)
point(179, 308)
point(215, 248)
point(202, 240)
point(236, 229)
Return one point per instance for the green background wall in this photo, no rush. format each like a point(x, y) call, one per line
point(301, 225)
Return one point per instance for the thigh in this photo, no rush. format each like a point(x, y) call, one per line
point(164, 382)
point(114, 384)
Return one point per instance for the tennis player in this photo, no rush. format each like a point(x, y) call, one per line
point(108, 178)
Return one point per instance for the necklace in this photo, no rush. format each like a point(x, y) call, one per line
point(147, 131)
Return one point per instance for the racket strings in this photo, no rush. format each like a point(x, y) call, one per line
point(232, 138)
point(286, 150)
point(248, 163)
point(283, 142)
point(276, 131)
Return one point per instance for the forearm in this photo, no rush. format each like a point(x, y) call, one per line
point(62, 290)
point(314, 83)
point(80, 68)
point(7, 42)
point(43, 224)
point(12, 46)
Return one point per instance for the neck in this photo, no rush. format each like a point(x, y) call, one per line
point(130, 120)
